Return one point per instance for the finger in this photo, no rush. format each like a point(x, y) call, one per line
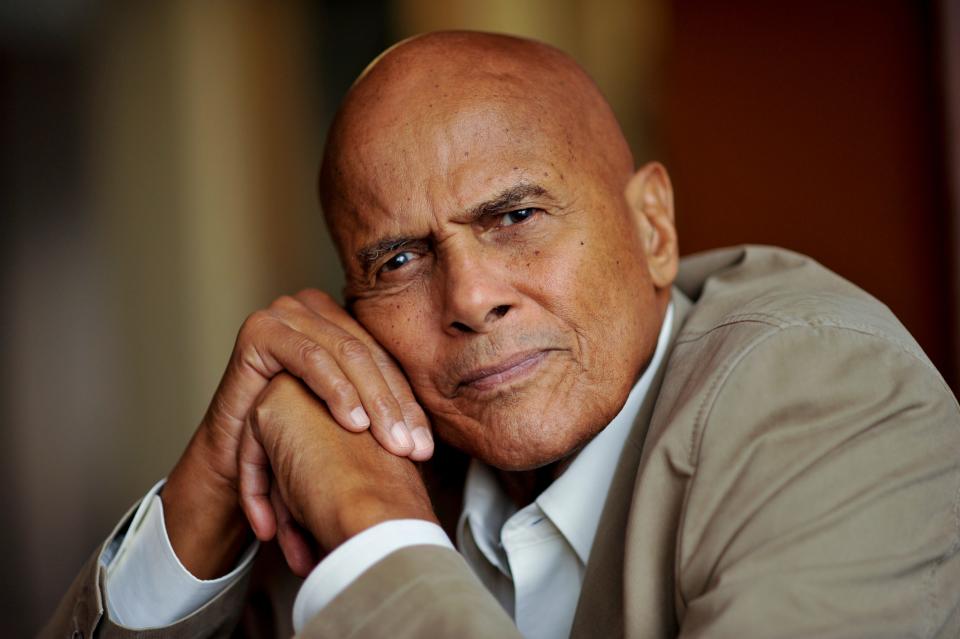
point(356, 361)
point(325, 306)
point(253, 468)
point(265, 346)
point(387, 418)
point(280, 346)
point(413, 415)
point(292, 538)
point(323, 320)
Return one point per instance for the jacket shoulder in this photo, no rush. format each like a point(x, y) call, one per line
point(761, 313)
point(810, 441)
point(764, 288)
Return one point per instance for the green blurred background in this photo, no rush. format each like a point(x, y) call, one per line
point(158, 185)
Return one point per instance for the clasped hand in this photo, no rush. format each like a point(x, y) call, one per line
point(309, 438)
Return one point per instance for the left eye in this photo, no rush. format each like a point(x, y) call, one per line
point(516, 217)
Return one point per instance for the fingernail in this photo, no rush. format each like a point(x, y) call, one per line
point(401, 435)
point(422, 439)
point(359, 417)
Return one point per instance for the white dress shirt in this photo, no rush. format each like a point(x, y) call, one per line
point(532, 560)
point(147, 586)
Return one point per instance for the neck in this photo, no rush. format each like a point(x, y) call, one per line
point(523, 486)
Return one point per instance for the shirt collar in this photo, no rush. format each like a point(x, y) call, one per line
point(486, 507)
point(574, 501)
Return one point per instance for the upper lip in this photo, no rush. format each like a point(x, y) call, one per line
point(501, 366)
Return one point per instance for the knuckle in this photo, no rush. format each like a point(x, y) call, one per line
point(384, 361)
point(312, 355)
point(350, 348)
point(254, 323)
point(342, 389)
point(314, 294)
point(284, 302)
point(413, 409)
point(262, 413)
point(383, 406)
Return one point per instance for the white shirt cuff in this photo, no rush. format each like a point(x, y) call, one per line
point(353, 557)
point(147, 586)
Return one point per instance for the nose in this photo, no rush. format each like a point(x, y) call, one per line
point(477, 293)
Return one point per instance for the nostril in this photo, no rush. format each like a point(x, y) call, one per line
point(463, 328)
point(476, 325)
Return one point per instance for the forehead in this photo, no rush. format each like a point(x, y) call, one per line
point(443, 154)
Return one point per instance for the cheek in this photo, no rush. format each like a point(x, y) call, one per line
point(589, 280)
point(596, 284)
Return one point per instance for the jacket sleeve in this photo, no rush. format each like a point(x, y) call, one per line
point(419, 591)
point(825, 500)
point(82, 611)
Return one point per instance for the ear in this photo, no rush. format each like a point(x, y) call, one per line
point(650, 198)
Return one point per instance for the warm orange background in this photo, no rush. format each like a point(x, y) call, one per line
point(158, 162)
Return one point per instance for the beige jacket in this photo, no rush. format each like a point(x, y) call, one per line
point(794, 472)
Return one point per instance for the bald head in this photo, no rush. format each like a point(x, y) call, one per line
point(466, 79)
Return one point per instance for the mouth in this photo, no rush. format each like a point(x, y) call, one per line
point(507, 371)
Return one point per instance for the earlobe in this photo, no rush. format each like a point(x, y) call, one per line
point(649, 196)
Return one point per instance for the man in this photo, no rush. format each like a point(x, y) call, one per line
point(760, 450)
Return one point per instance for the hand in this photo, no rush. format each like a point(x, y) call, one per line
point(329, 481)
point(312, 337)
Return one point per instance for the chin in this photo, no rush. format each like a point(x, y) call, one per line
point(531, 424)
point(517, 445)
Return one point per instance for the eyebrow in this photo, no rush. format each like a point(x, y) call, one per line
point(369, 255)
point(511, 196)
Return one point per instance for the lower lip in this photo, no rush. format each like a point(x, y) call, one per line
point(514, 373)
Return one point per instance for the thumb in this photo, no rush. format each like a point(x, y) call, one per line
point(253, 468)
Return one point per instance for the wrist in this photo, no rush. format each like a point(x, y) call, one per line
point(205, 524)
point(361, 512)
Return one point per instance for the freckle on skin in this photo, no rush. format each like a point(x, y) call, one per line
point(581, 243)
point(536, 252)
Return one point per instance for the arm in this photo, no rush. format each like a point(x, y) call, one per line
point(310, 336)
point(83, 610)
point(420, 591)
point(825, 497)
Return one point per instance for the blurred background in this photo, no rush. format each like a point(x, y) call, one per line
point(157, 178)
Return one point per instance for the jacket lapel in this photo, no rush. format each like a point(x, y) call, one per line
point(600, 608)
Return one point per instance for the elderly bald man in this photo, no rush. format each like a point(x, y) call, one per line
point(753, 447)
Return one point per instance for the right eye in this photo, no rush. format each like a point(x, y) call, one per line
point(398, 261)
